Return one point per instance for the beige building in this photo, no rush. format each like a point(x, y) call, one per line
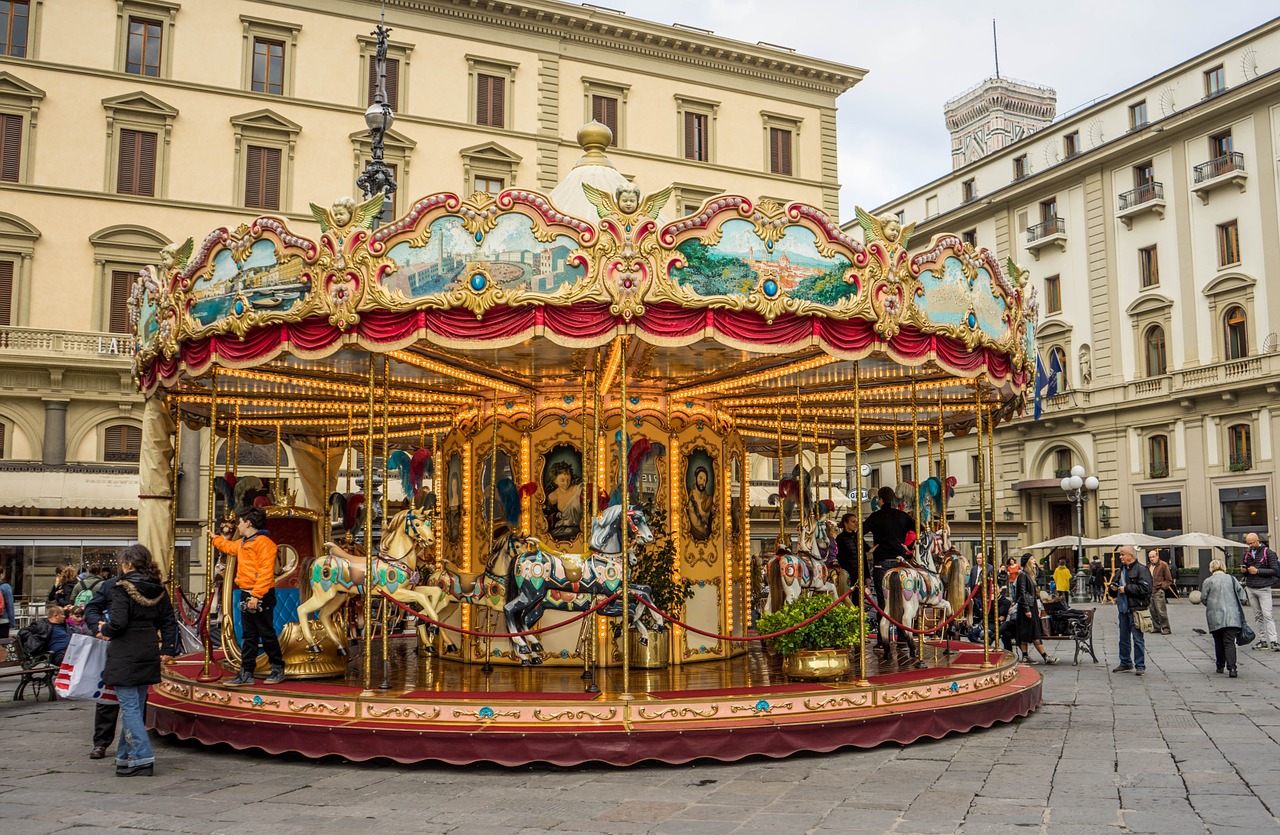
point(1150, 222)
point(129, 124)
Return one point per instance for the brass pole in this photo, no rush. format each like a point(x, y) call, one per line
point(348, 456)
point(862, 549)
point(368, 534)
point(487, 667)
point(943, 469)
point(800, 465)
point(588, 632)
point(897, 463)
point(206, 672)
point(988, 604)
point(594, 481)
point(277, 481)
point(435, 521)
point(622, 524)
point(173, 501)
point(991, 480)
point(782, 530)
point(915, 474)
point(386, 491)
point(324, 495)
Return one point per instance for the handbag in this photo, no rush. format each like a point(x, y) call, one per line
point(1142, 621)
point(80, 676)
point(1246, 635)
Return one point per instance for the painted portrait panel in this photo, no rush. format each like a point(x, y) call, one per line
point(453, 500)
point(562, 492)
point(700, 495)
point(735, 496)
point(504, 493)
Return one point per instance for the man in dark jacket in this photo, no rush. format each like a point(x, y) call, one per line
point(105, 714)
point(47, 635)
point(1258, 571)
point(888, 527)
point(1162, 584)
point(847, 546)
point(1132, 588)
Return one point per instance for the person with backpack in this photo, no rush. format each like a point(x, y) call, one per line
point(1258, 570)
point(7, 617)
point(82, 591)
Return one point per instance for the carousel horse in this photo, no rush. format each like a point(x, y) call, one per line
point(339, 575)
point(790, 574)
point(954, 571)
point(537, 572)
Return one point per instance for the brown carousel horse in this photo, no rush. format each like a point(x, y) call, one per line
point(339, 575)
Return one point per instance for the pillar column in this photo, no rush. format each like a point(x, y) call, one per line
point(54, 451)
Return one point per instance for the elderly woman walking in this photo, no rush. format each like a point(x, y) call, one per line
point(1222, 598)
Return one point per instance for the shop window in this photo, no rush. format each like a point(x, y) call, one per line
point(1237, 338)
point(1154, 350)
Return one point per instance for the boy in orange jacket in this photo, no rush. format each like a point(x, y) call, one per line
point(255, 578)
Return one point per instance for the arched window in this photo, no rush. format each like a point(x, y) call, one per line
point(1236, 328)
point(1061, 462)
point(1240, 443)
point(1058, 365)
point(122, 444)
point(1153, 347)
point(1158, 456)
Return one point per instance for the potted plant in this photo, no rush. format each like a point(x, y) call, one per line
point(655, 567)
point(819, 650)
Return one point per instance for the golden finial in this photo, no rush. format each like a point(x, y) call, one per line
point(594, 137)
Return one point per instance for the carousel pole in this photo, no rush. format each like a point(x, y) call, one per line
point(324, 496)
point(368, 533)
point(622, 525)
point(988, 603)
point(915, 474)
point(435, 521)
point(942, 461)
point(386, 489)
point(487, 667)
point(173, 499)
point(991, 481)
point(800, 466)
point(782, 530)
point(588, 625)
point(592, 687)
point(351, 445)
point(862, 547)
point(276, 484)
point(206, 672)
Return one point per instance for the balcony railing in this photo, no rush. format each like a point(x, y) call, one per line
point(1159, 471)
point(1142, 194)
point(46, 343)
point(1052, 226)
point(1240, 461)
point(1217, 167)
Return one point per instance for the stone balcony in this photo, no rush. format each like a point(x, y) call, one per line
point(56, 346)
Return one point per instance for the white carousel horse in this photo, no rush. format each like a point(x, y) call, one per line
point(338, 575)
point(534, 573)
point(908, 589)
point(791, 574)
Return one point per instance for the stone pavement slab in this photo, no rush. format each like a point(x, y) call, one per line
point(1180, 750)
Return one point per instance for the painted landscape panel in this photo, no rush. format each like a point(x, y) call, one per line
point(949, 299)
point(510, 254)
point(260, 283)
point(741, 263)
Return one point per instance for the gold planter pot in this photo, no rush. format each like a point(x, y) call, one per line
point(817, 664)
point(655, 654)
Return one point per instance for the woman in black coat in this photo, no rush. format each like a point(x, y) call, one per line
point(1028, 619)
point(140, 621)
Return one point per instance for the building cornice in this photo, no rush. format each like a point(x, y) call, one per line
point(612, 30)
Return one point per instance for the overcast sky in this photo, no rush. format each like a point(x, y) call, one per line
point(921, 53)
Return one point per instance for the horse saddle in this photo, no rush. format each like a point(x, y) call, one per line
point(466, 579)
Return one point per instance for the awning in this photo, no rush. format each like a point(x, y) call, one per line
point(1038, 484)
point(60, 489)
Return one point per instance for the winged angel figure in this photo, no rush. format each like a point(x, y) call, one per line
point(885, 228)
point(176, 255)
point(347, 213)
point(626, 201)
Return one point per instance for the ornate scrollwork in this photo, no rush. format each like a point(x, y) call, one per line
point(319, 707)
point(679, 713)
point(574, 714)
point(837, 701)
point(402, 712)
point(913, 695)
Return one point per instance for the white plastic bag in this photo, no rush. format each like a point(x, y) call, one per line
point(80, 676)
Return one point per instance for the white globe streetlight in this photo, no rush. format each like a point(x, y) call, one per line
point(1078, 487)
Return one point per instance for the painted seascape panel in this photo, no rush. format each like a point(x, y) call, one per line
point(509, 254)
point(741, 263)
point(260, 283)
point(951, 298)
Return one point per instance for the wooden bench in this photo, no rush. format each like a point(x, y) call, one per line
point(1081, 636)
point(35, 672)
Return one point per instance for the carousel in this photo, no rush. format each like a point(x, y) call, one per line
point(550, 404)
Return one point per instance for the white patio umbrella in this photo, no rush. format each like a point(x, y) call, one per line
point(1196, 539)
point(1066, 542)
point(1137, 540)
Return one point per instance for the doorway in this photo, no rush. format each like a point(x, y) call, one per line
point(1060, 524)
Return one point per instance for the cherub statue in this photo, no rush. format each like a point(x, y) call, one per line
point(346, 213)
point(176, 255)
point(627, 201)
point(885, 228)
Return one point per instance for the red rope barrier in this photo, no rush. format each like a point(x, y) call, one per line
point(706, 634)
point(478, 634)
point(182, 608)
point(935, 629)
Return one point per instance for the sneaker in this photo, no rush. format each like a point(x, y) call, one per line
point(1122, 669)
point(1262, 645)
point(277, 676)
point(1050, 659)
point(1275, 646)
point(1139, 672)
point(242, 679)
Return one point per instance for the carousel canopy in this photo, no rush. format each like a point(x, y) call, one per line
point(760, 316)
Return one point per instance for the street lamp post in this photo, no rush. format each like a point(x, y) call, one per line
point(377, 177)
point(1078, 488)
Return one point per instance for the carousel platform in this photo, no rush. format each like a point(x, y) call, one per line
point(725, 710)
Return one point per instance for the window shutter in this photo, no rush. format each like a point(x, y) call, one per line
point(253, 177)
point(6, 293)
point(1, 440)
point(604, 109)
point(271, 178)
point(482, 99)
point(113, 440)
point(393, 81)
point(146, 164)
point(126, 169)
point(10, 146)
point(784, 152)
point(690, 135)
point(117, 311)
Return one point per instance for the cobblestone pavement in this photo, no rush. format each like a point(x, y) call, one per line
point(1092, 760)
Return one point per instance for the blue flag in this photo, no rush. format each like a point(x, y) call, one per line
point(1057, 374)
point(1042, 380)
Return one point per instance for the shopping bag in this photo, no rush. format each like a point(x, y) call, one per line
point(80, 676)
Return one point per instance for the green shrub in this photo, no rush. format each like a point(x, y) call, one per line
point(837, 629)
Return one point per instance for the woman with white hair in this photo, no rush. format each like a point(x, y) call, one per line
point(1222, 596)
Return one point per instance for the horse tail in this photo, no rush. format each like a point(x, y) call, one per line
point(773, 571)
point(511, 577)
point(893, 593)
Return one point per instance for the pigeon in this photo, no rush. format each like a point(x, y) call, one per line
point(1198, 631)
